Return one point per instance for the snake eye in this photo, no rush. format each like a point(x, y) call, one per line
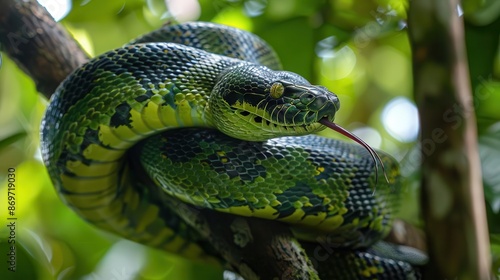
point(277, 90)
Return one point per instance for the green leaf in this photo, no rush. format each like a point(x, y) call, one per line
point(12, 139)
point(489, 152)
point(471, 6)
point(481, 12)
point(482, 47)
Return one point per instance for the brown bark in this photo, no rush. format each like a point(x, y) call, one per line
point(254, 248)
point(38, 45)
point(452, 194)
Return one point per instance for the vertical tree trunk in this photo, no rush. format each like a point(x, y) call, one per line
point(452, 192)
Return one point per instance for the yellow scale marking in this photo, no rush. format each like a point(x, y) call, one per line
point(149, 216)
point(87, 185)
point(320, 221)
point(131, 197)
point(125, 133)
point(150, 116)
point(108, 138)
point(167, 116)
point(267, 211)
point(105, 214)
point(175, 244)
point(97, 152)
point(370, 271)
point(161, 236)
point(139, 127)
point(88, 201)
point(184, 112)
point(192, 251)
point(331, 223)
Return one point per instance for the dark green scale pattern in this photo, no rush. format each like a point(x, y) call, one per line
point(293, 195)
point(369, 266)
point(151, 194)
point(336, 157)
point(218, 172)
point(224, 40)
point(96, 92)
point(371, 207)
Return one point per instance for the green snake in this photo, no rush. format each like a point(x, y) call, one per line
point(128, 105)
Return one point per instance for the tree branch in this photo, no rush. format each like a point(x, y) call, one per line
point(38, 45)
point(452, 194)
point(254, 248)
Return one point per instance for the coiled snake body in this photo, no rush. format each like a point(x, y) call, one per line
point(102, 110)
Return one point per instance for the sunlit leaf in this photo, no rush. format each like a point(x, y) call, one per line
point(25, 266)
point(11, 139)
point(481, 12)
point(233, 16)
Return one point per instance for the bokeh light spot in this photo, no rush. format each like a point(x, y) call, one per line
point(390, 70)
point(184, 10)
point(124, 261)
point(58, 9)
point(400, 119)
point(337, 64)
point(255, 8)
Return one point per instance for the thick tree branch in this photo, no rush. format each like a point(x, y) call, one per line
point(254, 248)
point(39, 46)
point(452, 193)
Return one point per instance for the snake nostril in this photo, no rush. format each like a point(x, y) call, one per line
point(328, 111)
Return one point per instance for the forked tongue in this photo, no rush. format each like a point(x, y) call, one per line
point(373, 154)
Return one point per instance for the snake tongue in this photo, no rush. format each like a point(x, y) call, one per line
point(376, 158)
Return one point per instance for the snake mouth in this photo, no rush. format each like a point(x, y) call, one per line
point(278, 128)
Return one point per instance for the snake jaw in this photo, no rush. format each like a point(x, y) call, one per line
point(272, 128)
point(375, 157)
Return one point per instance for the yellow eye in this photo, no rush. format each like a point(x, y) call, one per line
point(277, 90)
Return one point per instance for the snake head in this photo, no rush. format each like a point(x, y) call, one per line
point(254, 103)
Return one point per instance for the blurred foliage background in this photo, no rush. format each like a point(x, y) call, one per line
point(358, 49)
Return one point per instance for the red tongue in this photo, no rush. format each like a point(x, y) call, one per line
point(373, 154)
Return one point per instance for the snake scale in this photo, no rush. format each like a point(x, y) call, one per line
point(175, 100)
